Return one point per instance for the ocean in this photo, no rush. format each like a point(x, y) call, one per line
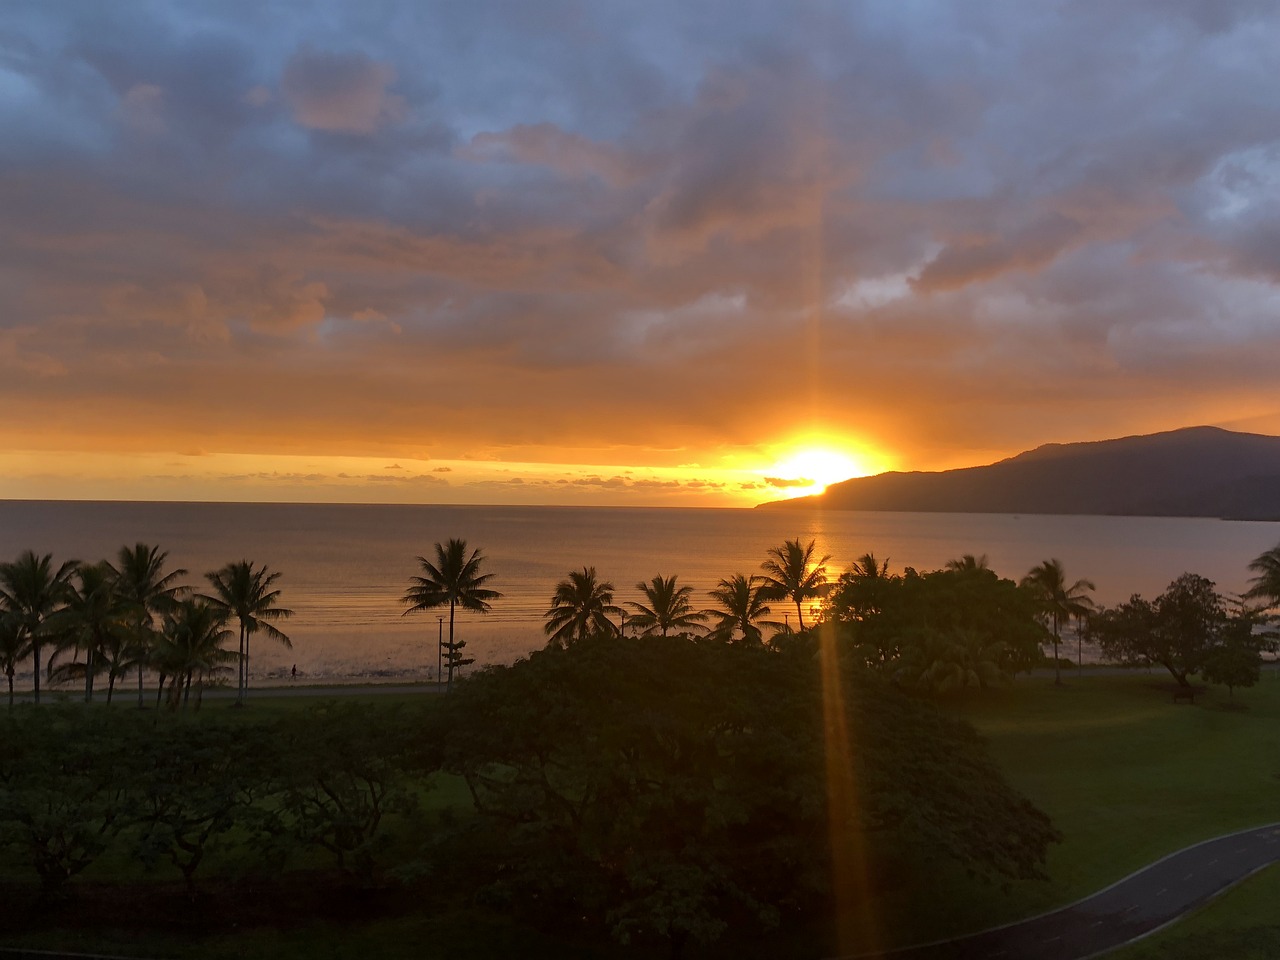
point(344, 567)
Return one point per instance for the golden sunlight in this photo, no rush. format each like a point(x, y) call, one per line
point(812, 469)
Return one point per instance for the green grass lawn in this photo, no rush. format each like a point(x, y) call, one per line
point(1126, 775)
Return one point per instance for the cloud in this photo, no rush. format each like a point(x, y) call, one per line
point(967, 262)
point(680, 235)
point(340, 92)
point(783, 483)
point(546, 145)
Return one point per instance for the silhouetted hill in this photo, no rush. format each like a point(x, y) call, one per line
point(1195, 472)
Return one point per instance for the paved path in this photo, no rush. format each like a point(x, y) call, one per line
point(1127, 910)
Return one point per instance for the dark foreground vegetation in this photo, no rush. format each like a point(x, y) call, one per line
point(655, 791)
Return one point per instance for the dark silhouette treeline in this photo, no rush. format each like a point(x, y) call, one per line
point(82, 620)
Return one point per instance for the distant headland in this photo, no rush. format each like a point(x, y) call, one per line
point(1193, 472)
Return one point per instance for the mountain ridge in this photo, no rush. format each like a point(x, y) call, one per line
point(1197, 471)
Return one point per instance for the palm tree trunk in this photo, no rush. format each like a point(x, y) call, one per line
point(452, 657)
point(240, 669)
point(111, 683)
point(35, 679)
point(160, 689)
point(1057, 668)
point(799, 614)
point(140, 703)
point(246, 665)
point(9, 673)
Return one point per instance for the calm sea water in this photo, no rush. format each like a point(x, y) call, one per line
point(345, 567)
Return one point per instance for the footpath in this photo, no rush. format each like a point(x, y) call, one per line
point(1128, 910)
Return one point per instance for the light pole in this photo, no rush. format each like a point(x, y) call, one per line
point(440, 651)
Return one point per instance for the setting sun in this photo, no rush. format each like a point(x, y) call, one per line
point(812, 469)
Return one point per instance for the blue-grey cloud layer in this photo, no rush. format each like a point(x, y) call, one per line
point(475, 227)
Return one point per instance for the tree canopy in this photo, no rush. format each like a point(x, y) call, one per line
point(666, 787)
point(1180, 630)
point(940, 630)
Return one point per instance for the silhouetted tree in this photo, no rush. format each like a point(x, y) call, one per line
point(743, 608)
point(190, 646)
point(1058, 602)
point(792, 572)
point(668, 607)
point(454, 579)
point(246, 593)
point(580, 608)
point(1179, 630)
point(968, 563)
point(92, 619)
point(143, 584)
point(15, 646)
point(1266, 585)
point(660, 788)
point(32, 589)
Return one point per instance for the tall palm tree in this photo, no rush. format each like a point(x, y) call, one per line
point(92, 618)
point(247, 594)
point(668, 607)
point(455, 579)
point(15, 646)
point(143, 584)
point(791, 571)
point(580, 608)
point(743, 607)
point(190, 645)
point(32, 589)
point(1058, 602)
point(1266, 585)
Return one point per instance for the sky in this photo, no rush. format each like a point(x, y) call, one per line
point(678, 252)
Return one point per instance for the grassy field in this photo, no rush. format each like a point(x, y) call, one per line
point(1126, 775)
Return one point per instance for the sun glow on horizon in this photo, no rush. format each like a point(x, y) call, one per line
point(811, 469)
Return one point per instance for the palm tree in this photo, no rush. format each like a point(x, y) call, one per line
point(15, 646)
point(455, 579)
point(968, 564)
point(743, 607)
point(791, 571)
point(866, 567)
point(246, 593)
point(190, 645)
point(1058, 602)
point(92, 619)
point(32, 589)
point(580, 608)
point(143, 584)
point(1266, 585)
point(668, 607)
